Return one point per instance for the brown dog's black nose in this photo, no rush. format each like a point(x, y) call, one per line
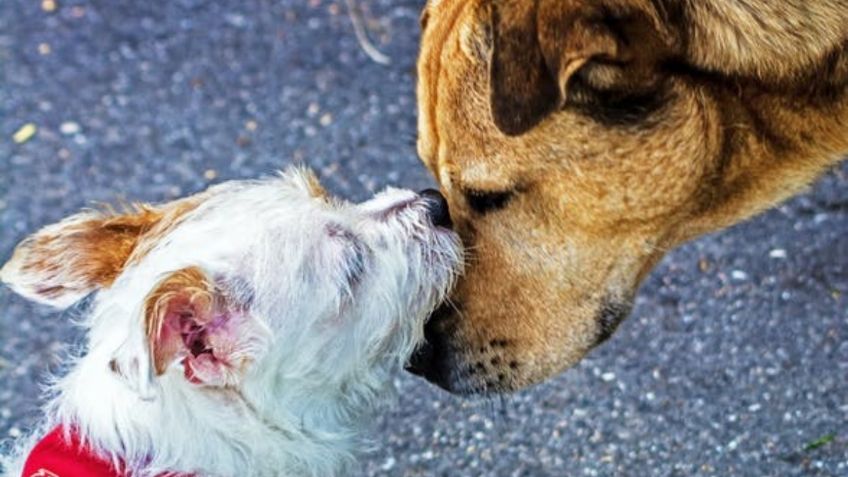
point(437, 208)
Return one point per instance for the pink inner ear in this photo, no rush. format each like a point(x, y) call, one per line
point(203, 339)
point(208, 359)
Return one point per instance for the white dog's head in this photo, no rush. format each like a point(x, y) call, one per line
point(269, 290)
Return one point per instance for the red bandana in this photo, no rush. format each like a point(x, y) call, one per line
point(54, 456)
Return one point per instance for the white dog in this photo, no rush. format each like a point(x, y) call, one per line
point(250, 330)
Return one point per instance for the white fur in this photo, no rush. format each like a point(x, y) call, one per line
point(326, 348)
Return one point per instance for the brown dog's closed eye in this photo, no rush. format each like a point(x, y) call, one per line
point(483, 201)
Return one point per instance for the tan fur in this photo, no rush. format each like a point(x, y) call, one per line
point(90, 249)
point(752, 108)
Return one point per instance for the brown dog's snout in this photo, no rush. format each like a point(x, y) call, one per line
point(437, 208)
point(448, 360)
point(464, 360)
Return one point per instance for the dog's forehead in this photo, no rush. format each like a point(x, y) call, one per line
point(279, 200)
point(239, 219)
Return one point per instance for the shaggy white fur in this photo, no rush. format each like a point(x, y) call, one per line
point(275, 361)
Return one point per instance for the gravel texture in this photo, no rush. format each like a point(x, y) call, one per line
point(734, 362)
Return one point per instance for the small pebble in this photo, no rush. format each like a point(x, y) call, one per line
point(777, 253)
point(251, 125)
point(44, 48)
point(210, 174)
point(739, 275)
point(388, 464)
point(48, 5)
point(25, 133)
point(326, 119)
point(235, 19)
point(608, 377)
point(69, 127)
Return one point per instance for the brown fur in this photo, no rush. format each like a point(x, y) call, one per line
point(619, 129)
point(89, 250)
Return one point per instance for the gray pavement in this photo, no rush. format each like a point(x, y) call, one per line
point(734, 362)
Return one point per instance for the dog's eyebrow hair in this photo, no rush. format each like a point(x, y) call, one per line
point(337, 230)
point(489, 187)
point(481, 185)
point(355, 264)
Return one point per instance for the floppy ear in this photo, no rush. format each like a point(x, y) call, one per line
point(189, 320)
point(64, 262)
point(539, 45)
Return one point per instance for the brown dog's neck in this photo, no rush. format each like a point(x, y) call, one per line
point(777, 138)
point(768, 40)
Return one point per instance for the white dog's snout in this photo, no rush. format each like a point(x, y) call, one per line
point(397, 208)
point(391, 203)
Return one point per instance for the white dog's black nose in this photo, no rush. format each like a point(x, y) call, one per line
point(437, 208)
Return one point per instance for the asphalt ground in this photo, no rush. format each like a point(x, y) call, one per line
point(734, 362)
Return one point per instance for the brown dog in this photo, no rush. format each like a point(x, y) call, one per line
point(577, 141)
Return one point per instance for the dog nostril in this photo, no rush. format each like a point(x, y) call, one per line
point(437, 208)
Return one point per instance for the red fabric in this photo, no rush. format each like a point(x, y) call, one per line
point(54, 456)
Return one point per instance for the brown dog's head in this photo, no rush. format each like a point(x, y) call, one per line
point(575, 146)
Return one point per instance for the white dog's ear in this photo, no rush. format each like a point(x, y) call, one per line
point(64, 262)
point(190, 321)
point(305, 180)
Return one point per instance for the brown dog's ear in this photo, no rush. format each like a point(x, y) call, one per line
point(521, 87)
point(539, 45)
point(62, 263)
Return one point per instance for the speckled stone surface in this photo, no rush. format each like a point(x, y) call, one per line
point(734, 362)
